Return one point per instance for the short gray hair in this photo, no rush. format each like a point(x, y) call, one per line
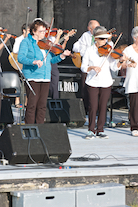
point(134, 32)
point(99, 29)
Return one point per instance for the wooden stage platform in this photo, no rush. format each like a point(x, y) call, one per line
point(91, 162)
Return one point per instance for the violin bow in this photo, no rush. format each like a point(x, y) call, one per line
point(51, 25)
point(52, 43)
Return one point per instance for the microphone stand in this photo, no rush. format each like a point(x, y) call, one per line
point(22, 76)
point(22, 88)
point(27, 19)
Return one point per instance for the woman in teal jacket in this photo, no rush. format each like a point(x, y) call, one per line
point(37, 70)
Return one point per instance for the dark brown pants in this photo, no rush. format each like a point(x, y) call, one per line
point(0, 103)
point(36, 104)
point(84, 92)
point(98, 98)
point(133, 97)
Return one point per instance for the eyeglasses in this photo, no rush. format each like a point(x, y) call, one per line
point(42, 31)
point(100, 38)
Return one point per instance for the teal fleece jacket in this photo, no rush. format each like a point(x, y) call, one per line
point(30, 51)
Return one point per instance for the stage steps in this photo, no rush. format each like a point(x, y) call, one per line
point(102, 195)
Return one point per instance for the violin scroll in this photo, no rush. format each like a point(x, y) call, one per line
point(3, 30)
point(112, 31)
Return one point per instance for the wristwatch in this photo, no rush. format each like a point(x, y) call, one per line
point(121, 61)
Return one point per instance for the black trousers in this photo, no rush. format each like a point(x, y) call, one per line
point(98, 98)
point(133, 97)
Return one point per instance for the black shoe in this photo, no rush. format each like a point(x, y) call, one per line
point(102, 135)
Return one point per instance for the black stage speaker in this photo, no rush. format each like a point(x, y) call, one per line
point(66, 111)
point(6, 115)
point(39, 143)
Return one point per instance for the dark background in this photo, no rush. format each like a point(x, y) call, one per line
point(76, 14)
point(68, 14)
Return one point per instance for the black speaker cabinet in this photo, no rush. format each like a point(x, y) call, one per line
point(66, 111)
point(40, 143)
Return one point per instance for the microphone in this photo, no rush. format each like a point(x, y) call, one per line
point(29, 9)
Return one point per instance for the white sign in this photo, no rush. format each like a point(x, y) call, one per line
point(68, 86)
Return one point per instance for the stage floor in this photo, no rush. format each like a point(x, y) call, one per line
point(117, 155)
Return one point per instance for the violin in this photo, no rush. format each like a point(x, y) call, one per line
point(3, 34)
point(13, 36)
point(69, 34)
point(54, 48)
point(112, 31)
point(53, 32)
point(46, 44)
point(3, 30)
point(116, 53)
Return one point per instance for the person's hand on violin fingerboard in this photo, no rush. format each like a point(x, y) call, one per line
point(8, 36)
point(132, 65)
point(65, 53)
point(110, 39)
point(122, 60)
point(59, 33)
point(66, 37)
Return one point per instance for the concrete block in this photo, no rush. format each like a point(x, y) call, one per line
point(48, 198)
point(102, 195)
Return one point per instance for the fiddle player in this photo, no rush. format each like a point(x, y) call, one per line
point(131, 81)
point(98, 82)
point(16, 46)
point(19, 39)
point(53, 88)
point(87, 38)
point(37, 70)
point(85, 41)
point(8, 36)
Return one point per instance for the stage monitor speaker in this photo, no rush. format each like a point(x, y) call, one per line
point(66, 111)
point(39, 143)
